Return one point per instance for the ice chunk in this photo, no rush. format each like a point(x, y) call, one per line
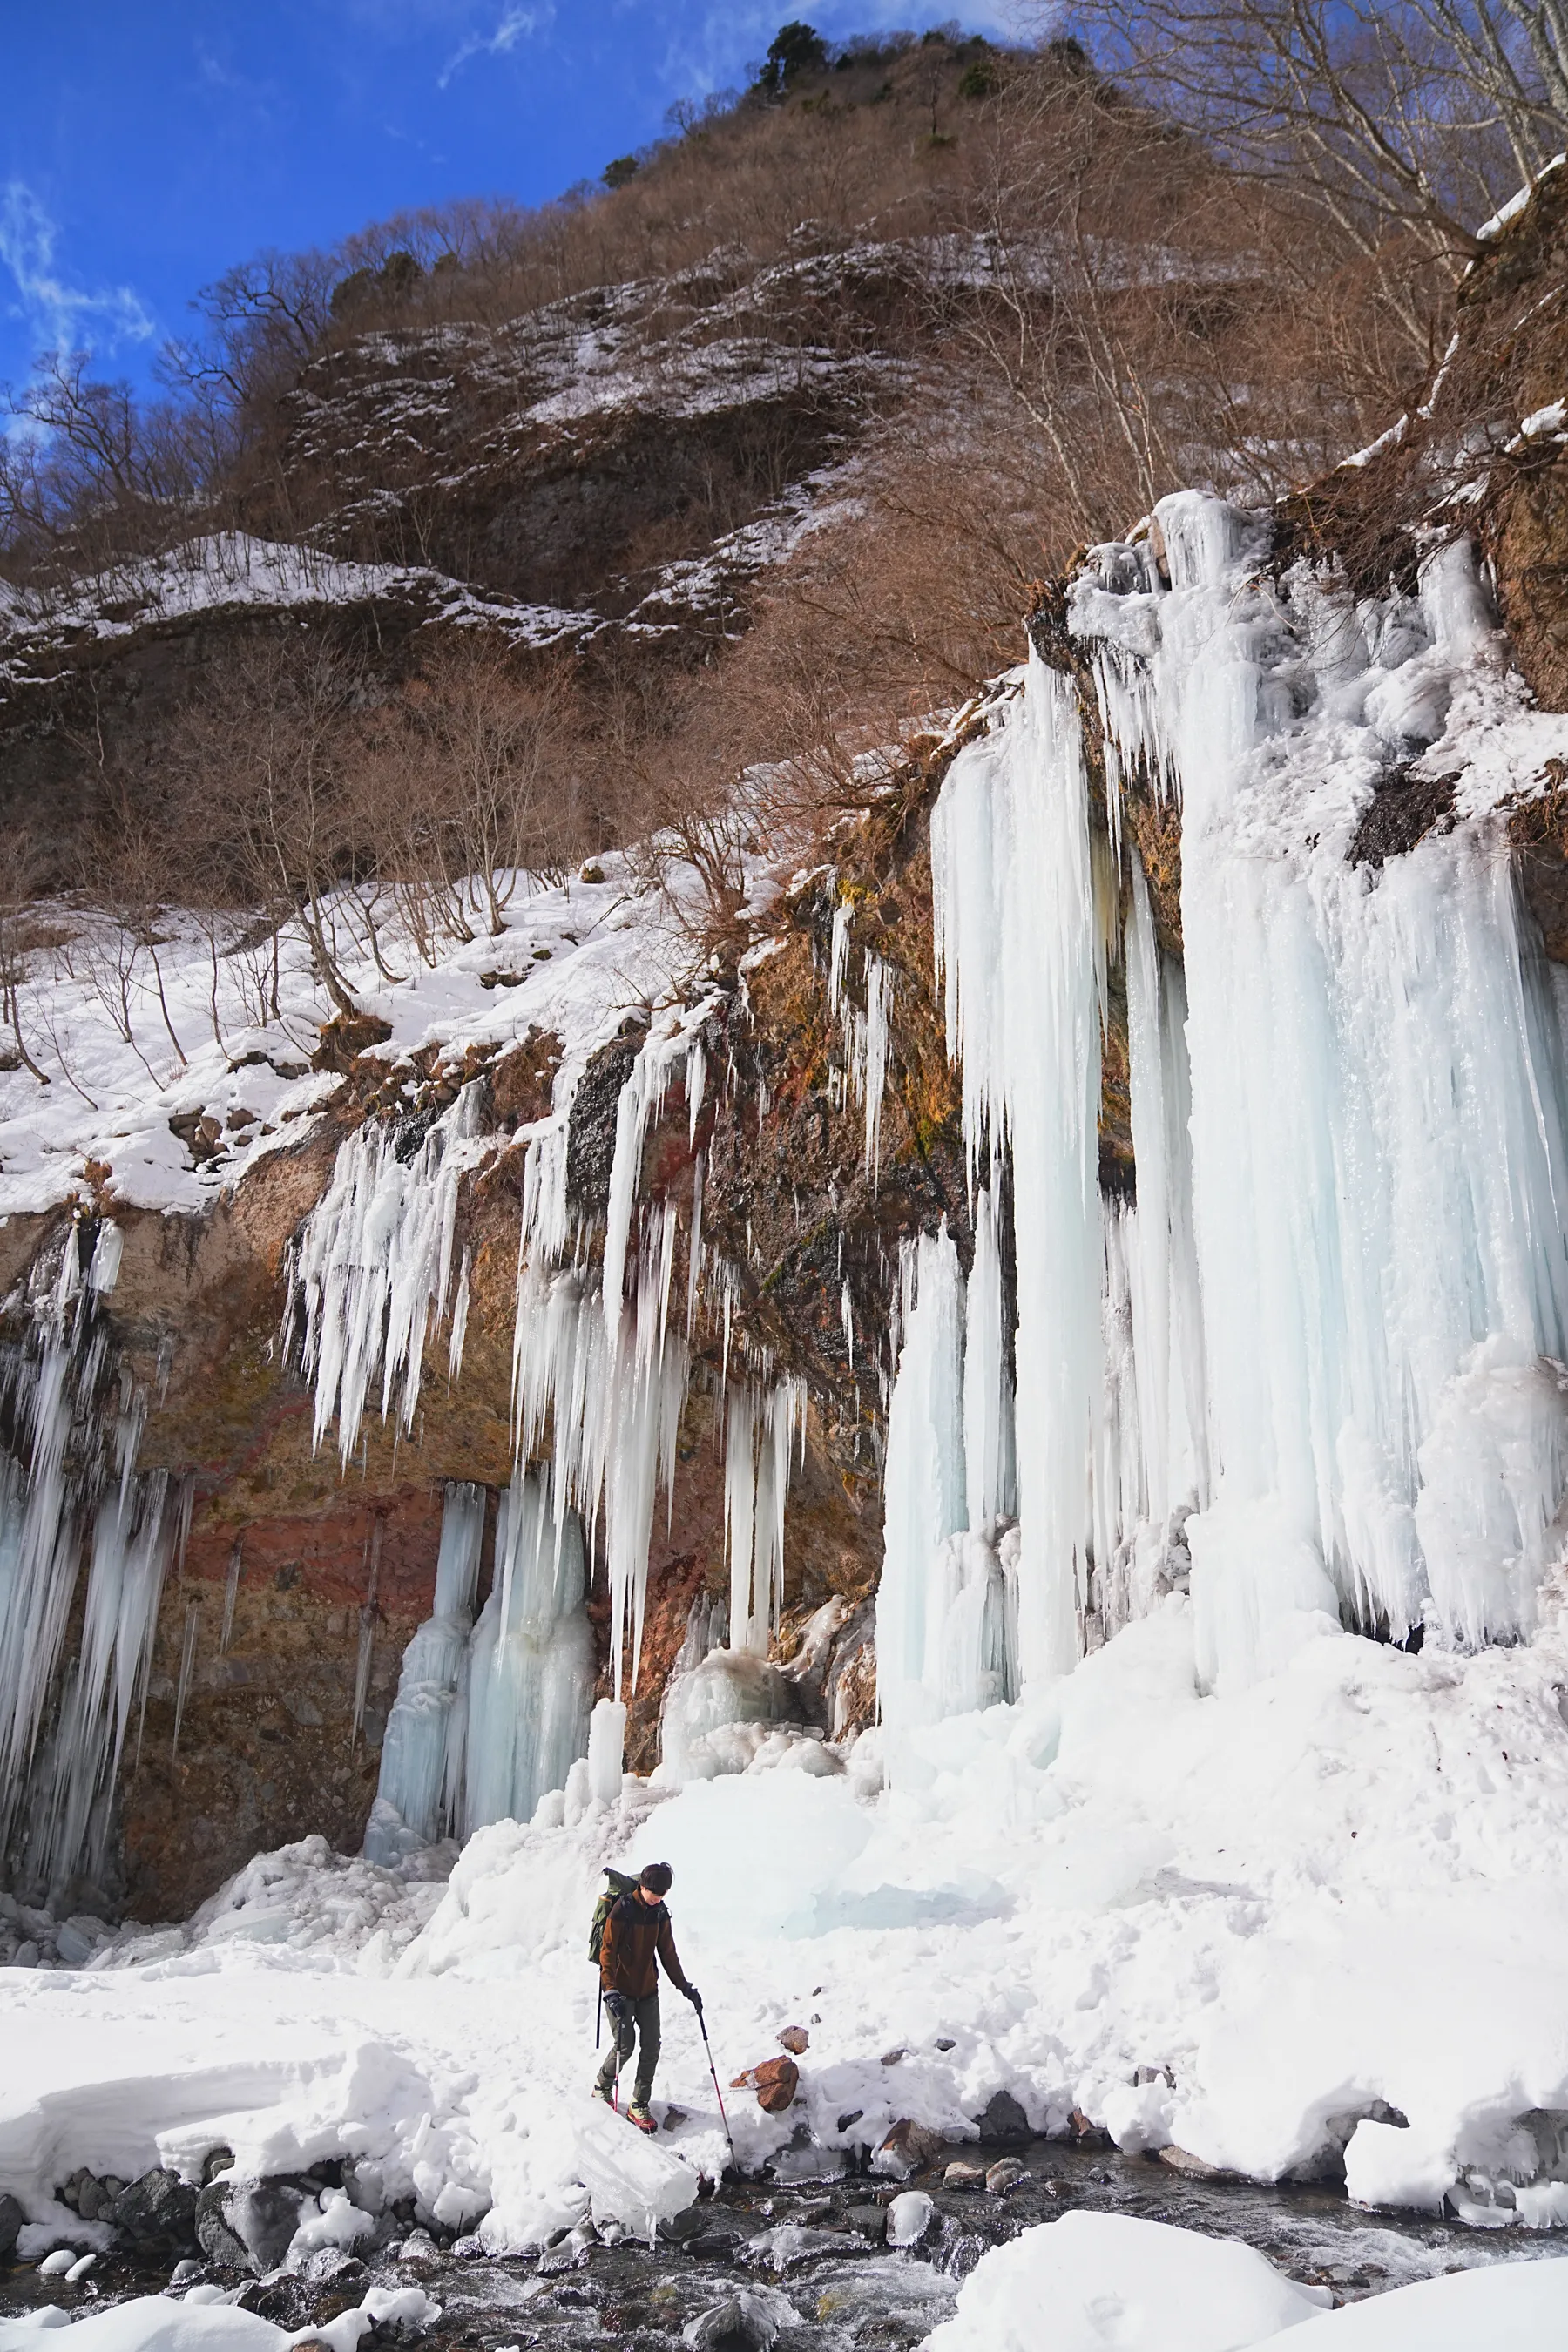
point(606, 1743)
point(1107, 2278)
point(629, 2177)
point(728, 1688)
point(909, 2218)
point(1388, 2165)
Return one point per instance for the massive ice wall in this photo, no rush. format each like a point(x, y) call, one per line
point(1320, 1355)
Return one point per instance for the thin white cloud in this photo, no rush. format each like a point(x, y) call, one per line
point(514, 25)
point(60, 317)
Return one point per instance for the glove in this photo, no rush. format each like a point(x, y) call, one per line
point(616, 2008)
point(693, 1996)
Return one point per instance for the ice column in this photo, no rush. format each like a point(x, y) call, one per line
point(1020, 949)
point(422, 1751)
point(762, 1427)
point(1167, 1307)
point(531, 1662)
point(924, 1478)
point(989, 1457)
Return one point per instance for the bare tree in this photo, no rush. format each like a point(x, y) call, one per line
point(21, 869)
point(1408, 117)
point(260, 807)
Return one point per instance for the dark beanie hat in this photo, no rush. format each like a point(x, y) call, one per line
point(658, 1878)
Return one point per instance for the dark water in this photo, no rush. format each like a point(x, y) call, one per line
point(818, 2245)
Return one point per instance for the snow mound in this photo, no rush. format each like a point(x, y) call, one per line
point(1515, 2308)
point(149, 2323)
point(1107, 2280)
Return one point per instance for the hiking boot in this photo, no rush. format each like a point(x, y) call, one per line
point(600, 2093)
point(642, 2116)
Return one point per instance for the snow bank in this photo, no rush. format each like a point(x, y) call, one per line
point(200, 2323)
point(151, 2323)
point(1109, 2279)
point(1514, 2307)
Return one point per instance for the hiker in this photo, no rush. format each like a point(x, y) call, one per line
point(634, 1935)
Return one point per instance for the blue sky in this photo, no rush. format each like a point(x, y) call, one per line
point(146, 145)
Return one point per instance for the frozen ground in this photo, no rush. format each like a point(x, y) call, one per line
point(1247, 1925)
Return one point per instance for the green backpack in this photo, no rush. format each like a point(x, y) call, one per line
point(619, 1885)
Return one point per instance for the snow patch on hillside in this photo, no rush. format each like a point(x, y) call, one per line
point(570, 960)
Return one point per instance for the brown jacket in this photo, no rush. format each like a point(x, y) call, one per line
point(636, 1938)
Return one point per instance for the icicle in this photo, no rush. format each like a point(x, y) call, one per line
point(606, 1745)
point(694, 1248)
point(990, 1465)
point(696, 1077)
point(368, 1616)
point(763, 1430)
point(459, 1321)
point(838, 954)
point(878, 1004)
point(1378, 1147)
point(187, 1668)
point(371, 1272)
point(846, 1311)
point(230, 1594)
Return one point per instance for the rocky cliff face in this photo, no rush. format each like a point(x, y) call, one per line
point(282, 1624)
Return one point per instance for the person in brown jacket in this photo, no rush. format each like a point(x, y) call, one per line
point(636, 1938)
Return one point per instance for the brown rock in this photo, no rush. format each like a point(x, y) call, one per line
point(345, 1038)
point(908, 2148)
point(795, 2039)
point(1004, 2175)
point(1192, 2168)
point(776, 2081)
point(1086, 2134)
point(963, 2175)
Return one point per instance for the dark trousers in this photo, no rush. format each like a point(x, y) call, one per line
point(638, 2024)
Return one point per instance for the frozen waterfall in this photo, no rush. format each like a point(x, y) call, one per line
point(947, 1634)
point(64, 1719)
point(531, 1662)
point(420, 1794)
point(1320, 1355)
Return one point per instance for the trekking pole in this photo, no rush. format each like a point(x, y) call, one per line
point(598, 2017)
point(718, 2094)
